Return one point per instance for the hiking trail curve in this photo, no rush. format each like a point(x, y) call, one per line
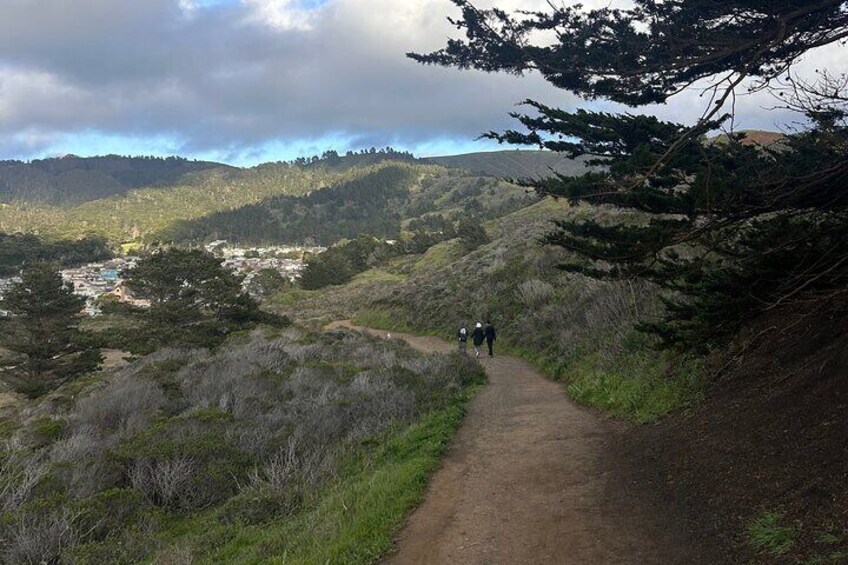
point(533, 478)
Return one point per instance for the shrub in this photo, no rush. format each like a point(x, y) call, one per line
point(110, 511)
point(39, 532)
point(18, 477)
point(124, 407)
point(534, 292)
point(165, 482)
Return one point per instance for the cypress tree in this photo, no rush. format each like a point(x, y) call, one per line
point(42, 328)
point(728, 228)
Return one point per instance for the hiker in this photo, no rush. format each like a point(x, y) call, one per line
point(477, 337)
point(490, 336)
point(462, 335)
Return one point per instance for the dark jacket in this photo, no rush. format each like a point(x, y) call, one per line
point(462, 336)
point(478, 336)
point(490, 332)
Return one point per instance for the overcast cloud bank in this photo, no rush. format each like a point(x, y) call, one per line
point(249, 80)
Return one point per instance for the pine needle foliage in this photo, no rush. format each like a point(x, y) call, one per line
point(41, 329)
point(729, 228)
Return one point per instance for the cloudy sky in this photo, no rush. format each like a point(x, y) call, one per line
point(246, 81)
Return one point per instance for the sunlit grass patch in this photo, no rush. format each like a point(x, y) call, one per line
point(376, 275)
point(440, 255)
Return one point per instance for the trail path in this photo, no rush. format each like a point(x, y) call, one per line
point(532, 478)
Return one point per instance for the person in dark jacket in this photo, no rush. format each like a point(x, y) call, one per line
point(477, 336)
point(462, 336)
point(490, 336)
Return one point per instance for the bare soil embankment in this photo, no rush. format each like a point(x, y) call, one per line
point(771, 437)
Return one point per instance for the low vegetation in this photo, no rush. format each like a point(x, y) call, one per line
point(575, 329)
point(289, 446)
point(768, 535)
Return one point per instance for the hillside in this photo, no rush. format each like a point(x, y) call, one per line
point(146, 199)
point(514, 164)
point(388, 201)
point(141, 213)
point(72, 180)
point(734, 436)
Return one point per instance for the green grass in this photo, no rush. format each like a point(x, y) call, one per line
point(640, 387)
point(292, 296)
point(384, 320)
point(440, 255)
point(377, 275)
point(768, 535)
point(353, 521)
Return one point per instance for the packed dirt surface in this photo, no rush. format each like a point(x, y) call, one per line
point(771, 436)
point(533, 478)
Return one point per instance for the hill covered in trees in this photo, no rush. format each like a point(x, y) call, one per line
point(140, 213)
point(389, 201)
point(148, 199)
point(514, 164)
point(72, 180)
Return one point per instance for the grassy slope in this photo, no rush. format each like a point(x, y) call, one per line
point(574, 330)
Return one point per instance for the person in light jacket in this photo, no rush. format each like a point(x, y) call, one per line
point(462, 336)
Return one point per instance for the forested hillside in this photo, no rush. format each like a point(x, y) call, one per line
point(147, 199)
point(71, 180)
point(140, 213)
point(386, 201)
point(17, 250)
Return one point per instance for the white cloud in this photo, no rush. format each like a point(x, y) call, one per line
point(283, 15)
point(233, 75)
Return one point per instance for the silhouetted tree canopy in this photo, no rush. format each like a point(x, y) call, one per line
point(729, 227)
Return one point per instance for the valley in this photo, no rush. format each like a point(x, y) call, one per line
point(403, 247)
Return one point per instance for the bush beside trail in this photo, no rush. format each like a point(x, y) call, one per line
point(183, 442)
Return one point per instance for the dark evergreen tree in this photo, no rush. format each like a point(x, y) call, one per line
point(267, 282)
point(17, 250)
point(471, 233)
point(729, 228)
point(194, 299)
point(340, 263)
point(42, 328)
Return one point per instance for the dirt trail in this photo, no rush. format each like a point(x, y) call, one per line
point(533, 478)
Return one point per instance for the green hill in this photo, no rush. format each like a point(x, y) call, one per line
point(515, 164)
point(72, 180)
point(140, 213)
point(152, 199)
point(390, 201)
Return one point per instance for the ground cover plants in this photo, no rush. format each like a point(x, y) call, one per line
point(575, 329)
point(287, 446)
